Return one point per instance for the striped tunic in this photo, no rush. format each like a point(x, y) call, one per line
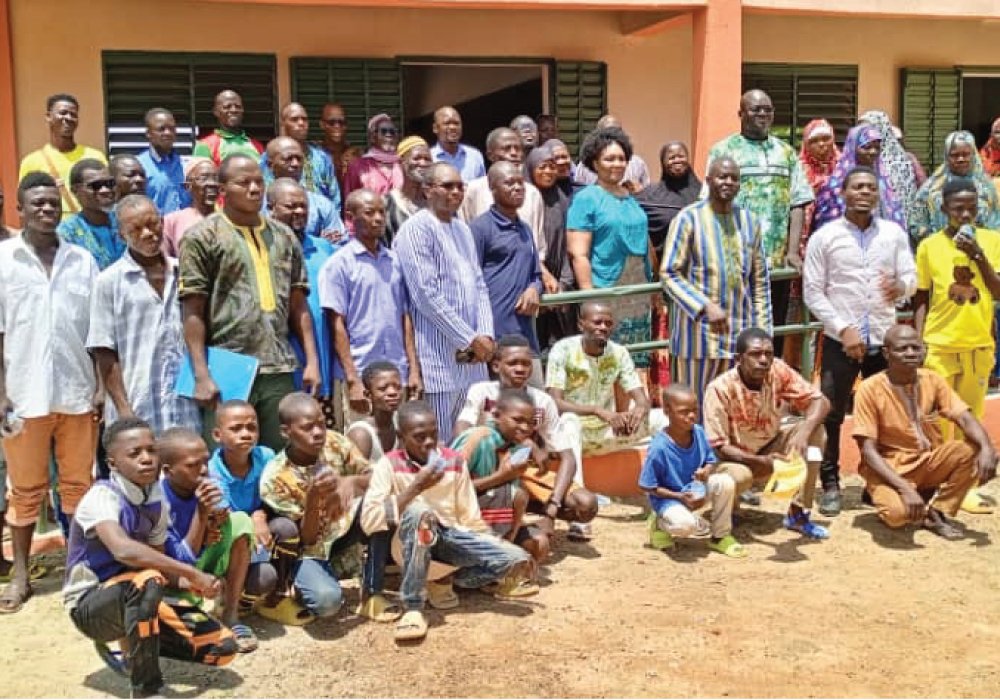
point(450, 304)
point(708, 257)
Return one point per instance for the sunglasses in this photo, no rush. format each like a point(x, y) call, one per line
point(335, 121)
point(387, 131)
point(98, 185)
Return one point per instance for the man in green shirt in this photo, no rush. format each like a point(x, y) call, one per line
point(228, 138)
point(243, 287)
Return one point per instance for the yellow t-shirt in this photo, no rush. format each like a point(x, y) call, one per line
point(63, 163)
point(960, 311)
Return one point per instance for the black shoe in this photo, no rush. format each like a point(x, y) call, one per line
point(829, 502)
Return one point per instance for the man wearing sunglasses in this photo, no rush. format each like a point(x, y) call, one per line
point(378, 169)
point(94, 226)
point(333, 124)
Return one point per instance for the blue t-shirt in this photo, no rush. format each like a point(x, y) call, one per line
point(240, 494)
point(670, 466)
point(182, 512)
point(618, 227)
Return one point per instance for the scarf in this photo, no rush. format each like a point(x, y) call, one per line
point(377, 154)
point(896, 162)
point(927, 216)
point(817, 171)
point(991, 154)
point(830, 200)
point(664, 200)
point(555, 202)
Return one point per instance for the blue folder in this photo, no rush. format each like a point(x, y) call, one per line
point(232, 372)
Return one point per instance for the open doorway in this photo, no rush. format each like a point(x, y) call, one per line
point(980, 103)
point(487, 95)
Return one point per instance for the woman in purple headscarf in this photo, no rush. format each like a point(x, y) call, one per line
point(862, 147)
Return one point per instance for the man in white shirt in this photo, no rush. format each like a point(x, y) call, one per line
point(856, 269)
point(49, 397)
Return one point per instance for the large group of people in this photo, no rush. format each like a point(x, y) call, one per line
point(293, 362)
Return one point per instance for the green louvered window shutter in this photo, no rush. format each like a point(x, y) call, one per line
point(186, 84)
point(930, 106)
point(803, 92)
point(580, 98)
point(364, 87)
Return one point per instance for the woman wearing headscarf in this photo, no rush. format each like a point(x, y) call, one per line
point(606, 235)
point(960, 160)
point(818, 155)
point(403, 202)
point(662, 201)
point(554, 323)
point(378, 169)
point(990, 152)
point(896, 164)
point(862, 147)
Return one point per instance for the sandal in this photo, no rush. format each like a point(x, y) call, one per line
point(580, 532)
point(379, 609)
point(115, 660)
point(411, 627)
point(801, 524)
point(658, 539)
point(287, 612)
point(246, 640)
point(510, 588)
point(36, 572)
point(975, 503)
point(11, 602)
point(729, 547)
point(441, 595)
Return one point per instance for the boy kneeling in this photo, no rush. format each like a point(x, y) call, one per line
point(431, 499)
point(679, 477)
point(116, 571)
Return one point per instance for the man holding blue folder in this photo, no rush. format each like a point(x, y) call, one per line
point(244, 288)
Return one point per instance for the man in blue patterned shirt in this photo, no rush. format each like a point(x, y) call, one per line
point(94, 226)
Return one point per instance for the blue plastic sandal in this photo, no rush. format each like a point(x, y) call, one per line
point(803, 525)
point(114, 660)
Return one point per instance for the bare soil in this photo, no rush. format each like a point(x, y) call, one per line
point(868, 613)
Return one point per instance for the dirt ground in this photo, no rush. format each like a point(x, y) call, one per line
point(867, 613)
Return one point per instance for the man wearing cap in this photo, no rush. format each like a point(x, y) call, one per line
point(318, 174)
point(378, 169)
point(745, 417)
point(449, 148)
point(229, 138)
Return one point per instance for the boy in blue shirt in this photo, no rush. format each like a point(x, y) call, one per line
point(679, 477)
point(204, 532)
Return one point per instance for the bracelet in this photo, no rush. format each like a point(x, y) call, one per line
point(553, 502)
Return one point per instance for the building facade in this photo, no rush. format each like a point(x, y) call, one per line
point(667, 70)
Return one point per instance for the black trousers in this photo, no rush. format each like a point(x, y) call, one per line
point(134, 609)
point(781, 290)
point(838, 374)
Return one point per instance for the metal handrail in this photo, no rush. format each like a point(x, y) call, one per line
point(805, 328)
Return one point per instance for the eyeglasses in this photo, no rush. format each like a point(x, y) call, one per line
point(98, 185)
point(335, 121)
point(451, 186)
point(387, 131)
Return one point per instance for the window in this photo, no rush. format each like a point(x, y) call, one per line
point(803, 92)
point(364, 87)
point(186, 84)
point(931, 102)
point(580, 99)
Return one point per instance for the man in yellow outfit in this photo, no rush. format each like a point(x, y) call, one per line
point(957, 282)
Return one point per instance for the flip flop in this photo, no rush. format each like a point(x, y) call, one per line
point(36, 572)
point(729, 547)
point(411, 627)
point(511, 588)
point(801, 524)
point(378, 609)
point(975, 503)
point(287, 612)
point(658, 539)
point(441, 596)
point(115, 660)
point(9, 603)
point(580, 532)
point(246, 640)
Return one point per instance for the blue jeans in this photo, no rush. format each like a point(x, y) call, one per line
point(481, 559)
point(318, 588)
